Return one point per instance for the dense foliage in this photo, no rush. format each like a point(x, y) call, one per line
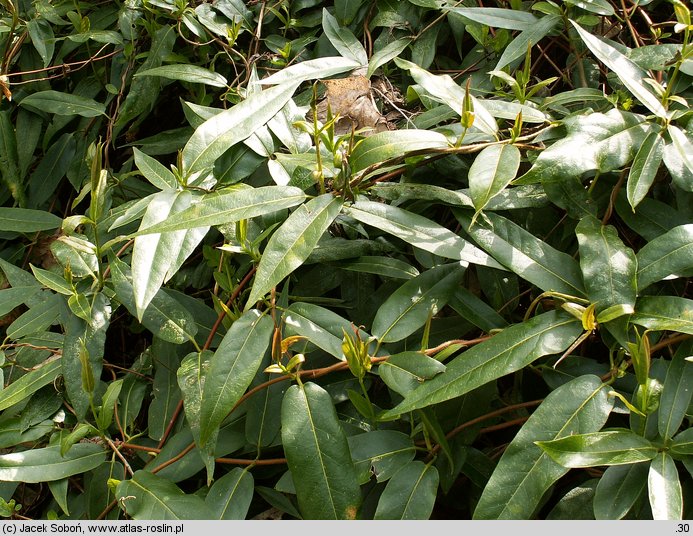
point(373, 259)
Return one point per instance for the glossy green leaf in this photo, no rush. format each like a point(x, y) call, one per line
point(165, 391)
point(510, 350)
point(9, 159)
point(528, 37)
point(419, 232)
point(59, 103)
point(614, 447)
point(388, 52)
point(29, 383)
point(408, 308)
point(383, 266)
point(36, 319)
point(232, 368)
point(668, 254)
point(154, 171)
point(618, 489)
point(384, 146)
point(600, 7)
point(46, 464)
point(683, 443)
point(664, 488)
point(24, 220)
point(405, 371)
point(16, 295)
point(317, 453)
point(492, 170)
point(509, 19)
point(232, 126)
point(472, 308)
point(228, 206)
point(523, 253)
point(683, 146)
point(659, 313)
point(386, 451)
point(148, 496)
point(230, 496)
point(608, 266)
point(525, 472)
point(52, 281)
point(677, 391)
point(410, 493)
point(309, 70)
point(630, 74)
point(43, 38)
point(186, 73)
point(644, 168)
point(343, 39)
point(263, 415)
point(292, 243)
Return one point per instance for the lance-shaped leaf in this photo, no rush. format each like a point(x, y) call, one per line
point(31, 382)
point(293, 243)
point(410, 493)
point(230, 496)
point(147, 496)
point(630, 74)
point(36, 319)
point(232, 368)
point(528, 37)
point(154, 171)
point(229, 206)
point(157, 257)
point(343, 39)
point(677, 391)
point(510, 350)
point(659, 313)
point(211, 139)
point(664, 487)
point(419, 232)
point(614, 447)
point(59, 103)
point(382, 56)
point(24, 220)
point(668, 254)
point(318, 455)
point(405, 371)
point(644, 168)
point(408, 308)
point(491, 171)
point(525, 472)
point(509, 19)
point(309, 70)
point(46, 464)
point(383, 146)
point(387, 451)
point(525, 254)
point(186, 73)
point(618, 489)
point(608, 266)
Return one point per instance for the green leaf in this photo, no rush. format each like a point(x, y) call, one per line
point(659, 313)
point(419, 232)
point(36, 319)
point(664, 487)
point(317, 453)
point(509, 19)
point(232, 368)
point(510, 350)
point(383, 266)
point(409, 307)
point(668, 254)
point(232, 126)
point(24, 220)
point(600, 7)
point(405, 371)
point(388, 52)
point(492, 170)
point(683, 147)
point(228, 206)
point(9, 159)
point(525, 472)
point(43, 38)
point(230, 496)
point(46, 464)
point(677, 391)
point(387, 451)
point(186, 73)
point(410, 493)
point(608, 266)
point(292, 243)
point(308, 70)
point(615, 447)
point(29, 383)
point(644, 168)
point(343, 40)
point(147, 496)
point(52, 281)
point(630, 74)
point(528, 37)
point(154, 171)
point(683, 443)
point(384, 146)
point(56, 102)
point(523, 253)
point(618, 489)
point(46, 176)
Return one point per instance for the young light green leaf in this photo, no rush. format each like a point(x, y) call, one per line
point(186, 73)
point(677, 391)
point(668, 254)
point(56, 102)
point(512, 349)
point(154, 171)
point(659, 313)
point(419, 232)
point(614, 447)
point(630, 74)
point(343, 39)
point(232, 368)
point(523, 253)
point(385, 54)
point(292, 243)
point(664, 487)
point(316, 449)
point(308, 70)
point(618, 489)
point(525, 472)
point(232, 126)
point(644, 168)
point(492, 170)
point(230, 496)
point(46, 464)
point(31, 382)
point(408, 308)
point(228, 206)
point(25, 220)
point(383, 146)
point(410, 493)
